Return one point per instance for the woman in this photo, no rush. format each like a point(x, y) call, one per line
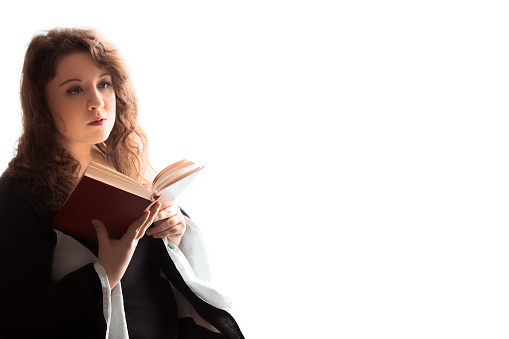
point(79, 106)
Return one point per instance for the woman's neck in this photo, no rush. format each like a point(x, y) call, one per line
point(85, 155)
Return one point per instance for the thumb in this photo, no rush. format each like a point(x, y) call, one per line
point(100, 228)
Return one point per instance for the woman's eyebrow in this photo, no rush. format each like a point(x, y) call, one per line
point(78, 80)
point(63, 83)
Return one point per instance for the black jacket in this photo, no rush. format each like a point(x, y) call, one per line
point(34, 306)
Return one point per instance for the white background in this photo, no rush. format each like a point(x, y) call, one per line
point(356, 151)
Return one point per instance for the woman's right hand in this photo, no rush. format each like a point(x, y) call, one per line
point(115, 255)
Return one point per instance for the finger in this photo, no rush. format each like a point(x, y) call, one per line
point(100, 229)
point(158, 226)
point(134, 228)
point(149, 221)
point(168, 212)
point(176, 230)
point(162, 225)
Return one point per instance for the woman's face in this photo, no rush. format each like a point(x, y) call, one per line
point(82, 101)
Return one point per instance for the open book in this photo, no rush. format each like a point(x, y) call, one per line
point(117, 200)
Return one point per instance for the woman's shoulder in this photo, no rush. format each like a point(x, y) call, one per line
point(8, 185)
point(16, 197)
point(12, 187)
point(24, 216)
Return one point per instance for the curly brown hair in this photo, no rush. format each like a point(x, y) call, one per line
point(41, 161)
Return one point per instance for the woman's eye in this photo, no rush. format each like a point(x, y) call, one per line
point(74, 90)
point(105, 85)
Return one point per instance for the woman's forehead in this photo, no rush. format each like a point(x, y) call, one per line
point(78, 64)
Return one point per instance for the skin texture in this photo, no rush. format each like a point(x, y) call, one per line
point(79, 95)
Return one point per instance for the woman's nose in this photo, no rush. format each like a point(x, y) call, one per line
point(95, 101)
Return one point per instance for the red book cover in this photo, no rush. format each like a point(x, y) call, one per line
point(93, 199)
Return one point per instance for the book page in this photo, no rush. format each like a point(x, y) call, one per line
point(116, 179)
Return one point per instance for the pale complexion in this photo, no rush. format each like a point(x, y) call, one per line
point(83, 104)
point(82, 101)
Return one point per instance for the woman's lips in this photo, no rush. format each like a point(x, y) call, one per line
point(97, 122)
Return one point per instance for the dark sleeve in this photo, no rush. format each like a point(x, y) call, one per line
point(31, 305)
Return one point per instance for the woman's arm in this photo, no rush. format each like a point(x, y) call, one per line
point(30, 303)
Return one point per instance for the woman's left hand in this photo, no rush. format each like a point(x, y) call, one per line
point(169, 223)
